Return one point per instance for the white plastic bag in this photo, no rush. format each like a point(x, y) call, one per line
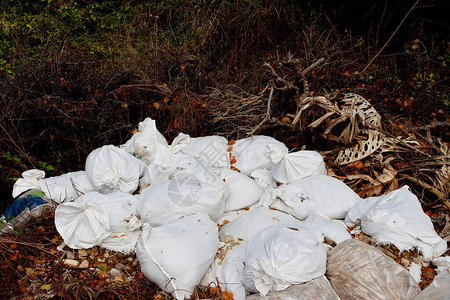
point(228, 269)
point(249, 224)
point(279, 256)
point(332, 229)
point(255, 153)
point(82, 223)
point(168, 200)
point(211, 149)
point(438, 289)
point(324, 194)
point(94, 219)
point(297, 165)
point(66, 187)
point(30, 181)
point(112, 169)
point(264, 178)
point(357, 270)
point(244, 192)
point(317, 289)
point(397, 218)
point(149, 145)
point(176, 255)
point(124, 223)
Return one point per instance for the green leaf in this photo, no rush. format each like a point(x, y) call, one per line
point(102, 267)
point(50, 168)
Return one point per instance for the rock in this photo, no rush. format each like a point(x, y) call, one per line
point(82, 253)
point(119, 266)
point(84, 264)
point(71, 263)
point(114, 272)
point(316, 289)
point(360, 271)
point(70, 255)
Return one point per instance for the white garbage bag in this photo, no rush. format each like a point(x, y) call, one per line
point(228, 269)
point(289, 167)
point(397, 218)
point(168, 200)
point(264, 178)
point(66, 187)
point(357, 270)
point(244, 191)
point(112, 169)
point(187, 165)
point(332, 229)
point(82, 223)
point(255, 152)
point(149, 145)
point(248, 225)
point(317, 289)
point(280, 256)
point(125, 226)
point(324, 194)
point(438, 289)
point(211, 149)
point(176, 255)
point(96, 219)
point(30, 181)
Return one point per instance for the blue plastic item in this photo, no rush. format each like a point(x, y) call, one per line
point(32, 200)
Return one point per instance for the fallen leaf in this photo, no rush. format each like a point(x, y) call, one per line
point(156, 105)
point(13, 246)
point(46, 287)
point(102, 267)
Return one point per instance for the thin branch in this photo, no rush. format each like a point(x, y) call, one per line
point(398, 27)
point(266, 117)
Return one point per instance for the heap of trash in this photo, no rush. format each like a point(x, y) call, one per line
point(248, 215)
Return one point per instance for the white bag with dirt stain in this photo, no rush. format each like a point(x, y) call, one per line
point(278, 257)
point(249, 224)
point(149, 145)
point(317, 289)
point(176, 255)
point(66, 187)
point(244, 191)
point(29, 181)
point(324, 194)
point(96, 219)
point(253, 153)
point(211, 149)
point(112, 169)
point(289, 167)
point(228, 268)
point(168, 200)
point(397, 218)
point(357, 270)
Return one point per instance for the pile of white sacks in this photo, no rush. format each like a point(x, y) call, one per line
point(247, 215)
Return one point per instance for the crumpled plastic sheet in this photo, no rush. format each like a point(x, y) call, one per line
point(316, 289)
point(359, 271)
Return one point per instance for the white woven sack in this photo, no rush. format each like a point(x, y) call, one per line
point(397, 218)
point(264, 178)
point(149, 145)
point(176, 255)
point(29, 181)
point(228, 269)
point(244, 191)
point(297, 165)
point(124, 222)
point(255, 152)
point(112, 169)
point(82, 223)
point(168, 200)
point(211, 149)
point(332, 229)
point(279, 256)
point(324, 194)
point(249, 224)
point(66, 187)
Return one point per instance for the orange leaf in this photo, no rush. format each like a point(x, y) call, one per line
point(13, 256)
point(231, 142)
point(13, 246)
point(358, 164)
point(230, 148)
point(227, 296)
